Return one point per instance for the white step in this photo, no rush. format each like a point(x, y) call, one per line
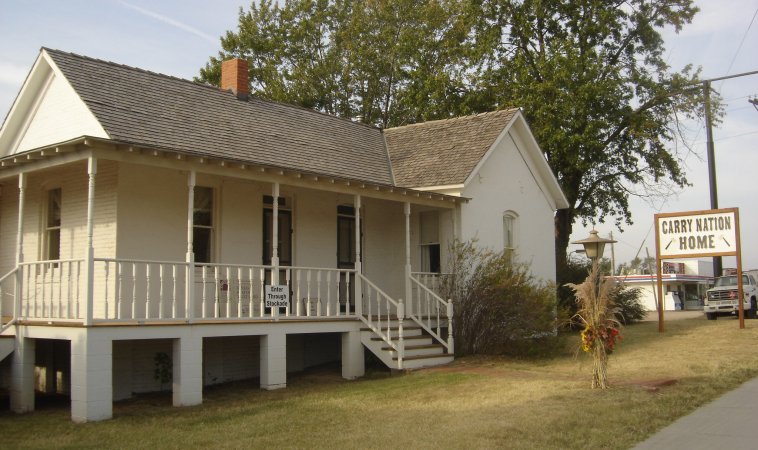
point(394, 332)
point(431, 361)
point(418, 350)
point(421, 350)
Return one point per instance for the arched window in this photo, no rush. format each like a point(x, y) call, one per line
point(510, 233)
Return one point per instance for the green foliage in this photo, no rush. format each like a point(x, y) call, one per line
point(381, 62)
point(627, 302)
point(500, 308)
point(591, 78)
point(597, 92)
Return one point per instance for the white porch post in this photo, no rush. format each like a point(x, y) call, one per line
point(275, 235)
point(20, 244)
point(358, 264)
point(188, 371)
point(91, 377)
point(274, 250)
point(274, 360)
point(408, 301)
point(189, 289)
point(89, 259)
point(353, 365)
point(22, 374)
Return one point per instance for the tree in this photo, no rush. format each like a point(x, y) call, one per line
point(597, 92)
point(381, 62)
point(590, 76)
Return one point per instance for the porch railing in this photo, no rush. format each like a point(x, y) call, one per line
point(435, 281)
point(430, 311)
point(379, 312)
point(8, 299)
point(131, 289)
point(51, 289)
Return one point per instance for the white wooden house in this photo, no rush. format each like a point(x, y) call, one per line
point(144, 215)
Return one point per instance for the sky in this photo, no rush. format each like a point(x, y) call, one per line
point(177, 38)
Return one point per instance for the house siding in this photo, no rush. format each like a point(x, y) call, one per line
point(60, 116)
point(505, 183)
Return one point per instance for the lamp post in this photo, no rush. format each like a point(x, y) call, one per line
point(594, 246)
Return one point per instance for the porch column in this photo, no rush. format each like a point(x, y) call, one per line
point(19, 244)
point(275, 236)
point(91, 377)
point(358, 264)
point(22, 374)
point(352, 355)
point(188, 370)
point(408, 301)
point(89, 258)
point(274, 360)
point(189, 303)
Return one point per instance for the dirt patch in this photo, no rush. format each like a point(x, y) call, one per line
point(649, 385)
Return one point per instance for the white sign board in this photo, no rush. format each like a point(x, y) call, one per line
point(277, 296)
point(688, 234)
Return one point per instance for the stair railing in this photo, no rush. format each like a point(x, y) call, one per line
point(8, 284)
point(379, 310)
point(428, 310)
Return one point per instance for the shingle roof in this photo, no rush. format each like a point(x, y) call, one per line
point(146, 108)
point(443, 152)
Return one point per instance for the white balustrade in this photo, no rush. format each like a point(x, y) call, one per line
point(50, 289)
point(144, 290)
point(430, 311)
point(380, 313)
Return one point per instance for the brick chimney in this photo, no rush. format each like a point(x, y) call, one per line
point(234, 77)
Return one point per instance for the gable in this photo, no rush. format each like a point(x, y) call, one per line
point(522, 149)
point(443, 152)
point(46, 111)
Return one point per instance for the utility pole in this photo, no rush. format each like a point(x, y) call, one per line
point(710, 150)
point(711, 163)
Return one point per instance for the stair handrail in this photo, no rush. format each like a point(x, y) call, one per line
point(367, 318)
point(11, 274)
point(442, 304)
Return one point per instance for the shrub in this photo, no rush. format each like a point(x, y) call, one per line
point(500, 308)
point(627, 302)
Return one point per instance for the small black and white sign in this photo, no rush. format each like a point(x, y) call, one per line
point(277, 296)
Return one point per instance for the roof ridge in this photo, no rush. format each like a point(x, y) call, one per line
point(512, 109)
point(203, 85)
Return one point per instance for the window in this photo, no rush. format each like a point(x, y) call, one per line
point(510, 223)
point(429, 223)
point(53, 225)
point(202, 225)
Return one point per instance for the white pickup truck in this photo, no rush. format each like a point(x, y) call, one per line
point(721, 299)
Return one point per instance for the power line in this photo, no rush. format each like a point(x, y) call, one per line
point(744, 36)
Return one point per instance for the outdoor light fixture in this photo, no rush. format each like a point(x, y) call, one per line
point(594, 245)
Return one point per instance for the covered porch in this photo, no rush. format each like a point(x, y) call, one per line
point(131, 243)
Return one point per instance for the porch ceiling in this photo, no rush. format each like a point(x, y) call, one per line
point(86, 146)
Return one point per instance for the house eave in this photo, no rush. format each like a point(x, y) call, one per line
point(22, 162)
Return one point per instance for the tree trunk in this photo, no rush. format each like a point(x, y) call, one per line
point(564, 219)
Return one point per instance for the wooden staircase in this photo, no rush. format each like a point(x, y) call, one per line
point(420, 348)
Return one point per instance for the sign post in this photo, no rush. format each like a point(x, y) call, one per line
point(697, 234)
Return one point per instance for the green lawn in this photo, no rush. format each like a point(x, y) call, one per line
point(474, 403)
